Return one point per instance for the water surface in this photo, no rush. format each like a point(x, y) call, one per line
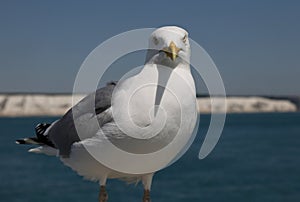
point(256, 159)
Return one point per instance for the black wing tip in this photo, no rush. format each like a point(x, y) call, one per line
point(42, 137)
point(20, 141)
point(29, 140)
point(41, 128)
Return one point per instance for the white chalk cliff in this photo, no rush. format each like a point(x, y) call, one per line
point(57, 105)
point(246, 105)
point(36, 105)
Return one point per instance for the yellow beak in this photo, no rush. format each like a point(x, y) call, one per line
point(172, 51)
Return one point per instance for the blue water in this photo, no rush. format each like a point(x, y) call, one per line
point(256, 159)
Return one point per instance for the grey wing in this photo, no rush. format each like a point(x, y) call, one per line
point(63, 132)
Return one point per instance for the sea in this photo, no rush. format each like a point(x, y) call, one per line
point(256, 159)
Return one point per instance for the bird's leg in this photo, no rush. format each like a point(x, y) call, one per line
point(103, 196)
point(147, 181)
point(146, 197)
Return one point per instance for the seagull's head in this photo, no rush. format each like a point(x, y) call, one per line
point(169, 46)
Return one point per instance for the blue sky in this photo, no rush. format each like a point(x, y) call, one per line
point(255, 44)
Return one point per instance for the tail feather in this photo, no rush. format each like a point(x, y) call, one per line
point(41, 136)
point(50, 151)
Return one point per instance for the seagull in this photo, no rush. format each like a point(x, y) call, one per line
point(160, 101)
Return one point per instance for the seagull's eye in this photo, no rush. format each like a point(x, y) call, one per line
point(155, 40)
point(184, 38)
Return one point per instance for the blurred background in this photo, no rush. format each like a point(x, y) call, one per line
point(254, 44)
